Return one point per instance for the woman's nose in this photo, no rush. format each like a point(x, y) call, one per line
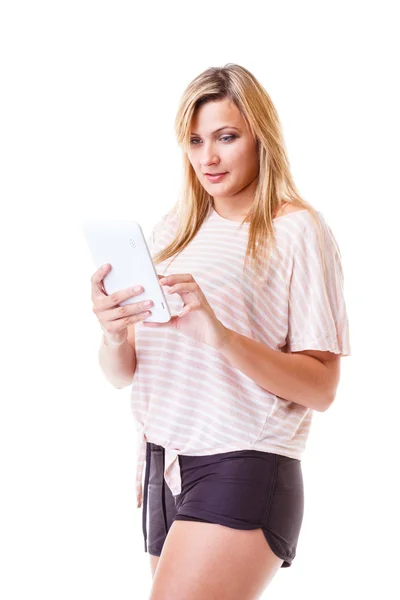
point(209, 158)
point(209, 155)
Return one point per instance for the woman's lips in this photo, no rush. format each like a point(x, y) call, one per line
point(216, 178)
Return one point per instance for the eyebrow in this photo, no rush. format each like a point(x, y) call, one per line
point(219, 129)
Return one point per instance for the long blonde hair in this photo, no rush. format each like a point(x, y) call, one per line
point(275, 183)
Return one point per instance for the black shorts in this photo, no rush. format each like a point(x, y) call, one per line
point(245, 489)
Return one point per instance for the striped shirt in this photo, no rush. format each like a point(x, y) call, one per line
point(186, 396)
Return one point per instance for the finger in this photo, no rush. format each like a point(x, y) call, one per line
point(130, 310)
point(182, 287)
point(104, 302)
point(115, 299)
point(115, 325)
point(97, 280)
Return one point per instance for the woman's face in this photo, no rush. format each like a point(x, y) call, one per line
point(232, 150)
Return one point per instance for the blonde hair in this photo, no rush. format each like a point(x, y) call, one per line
point(275, 183)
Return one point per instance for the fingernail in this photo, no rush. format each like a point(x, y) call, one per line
point(137, 288)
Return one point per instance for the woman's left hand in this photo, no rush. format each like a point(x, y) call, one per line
point(197, 319)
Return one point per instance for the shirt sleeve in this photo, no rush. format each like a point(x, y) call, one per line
point(317, 310)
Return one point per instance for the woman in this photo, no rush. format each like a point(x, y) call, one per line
point(223, 394)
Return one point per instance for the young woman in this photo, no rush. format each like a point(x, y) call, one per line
point(223, 394)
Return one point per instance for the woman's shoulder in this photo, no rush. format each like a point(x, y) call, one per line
point(307, 215)
point(287, 208)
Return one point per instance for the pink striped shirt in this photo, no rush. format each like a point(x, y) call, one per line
point(186, 396)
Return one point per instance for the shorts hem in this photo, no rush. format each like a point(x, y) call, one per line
point(287, 560)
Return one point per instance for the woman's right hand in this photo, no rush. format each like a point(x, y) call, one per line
point(115, 319)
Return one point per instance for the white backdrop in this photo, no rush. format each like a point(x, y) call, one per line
point(89, 94)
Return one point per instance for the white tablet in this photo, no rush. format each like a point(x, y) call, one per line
point(123, 245)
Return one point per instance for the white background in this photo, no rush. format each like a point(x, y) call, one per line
point(88, 97)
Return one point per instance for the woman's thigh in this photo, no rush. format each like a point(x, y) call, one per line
point(206, 560)
point(154, 560)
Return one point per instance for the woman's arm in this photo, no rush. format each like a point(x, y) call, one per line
point(309, 377)
point(118, 363)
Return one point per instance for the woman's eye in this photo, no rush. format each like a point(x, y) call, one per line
point(223, 137)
